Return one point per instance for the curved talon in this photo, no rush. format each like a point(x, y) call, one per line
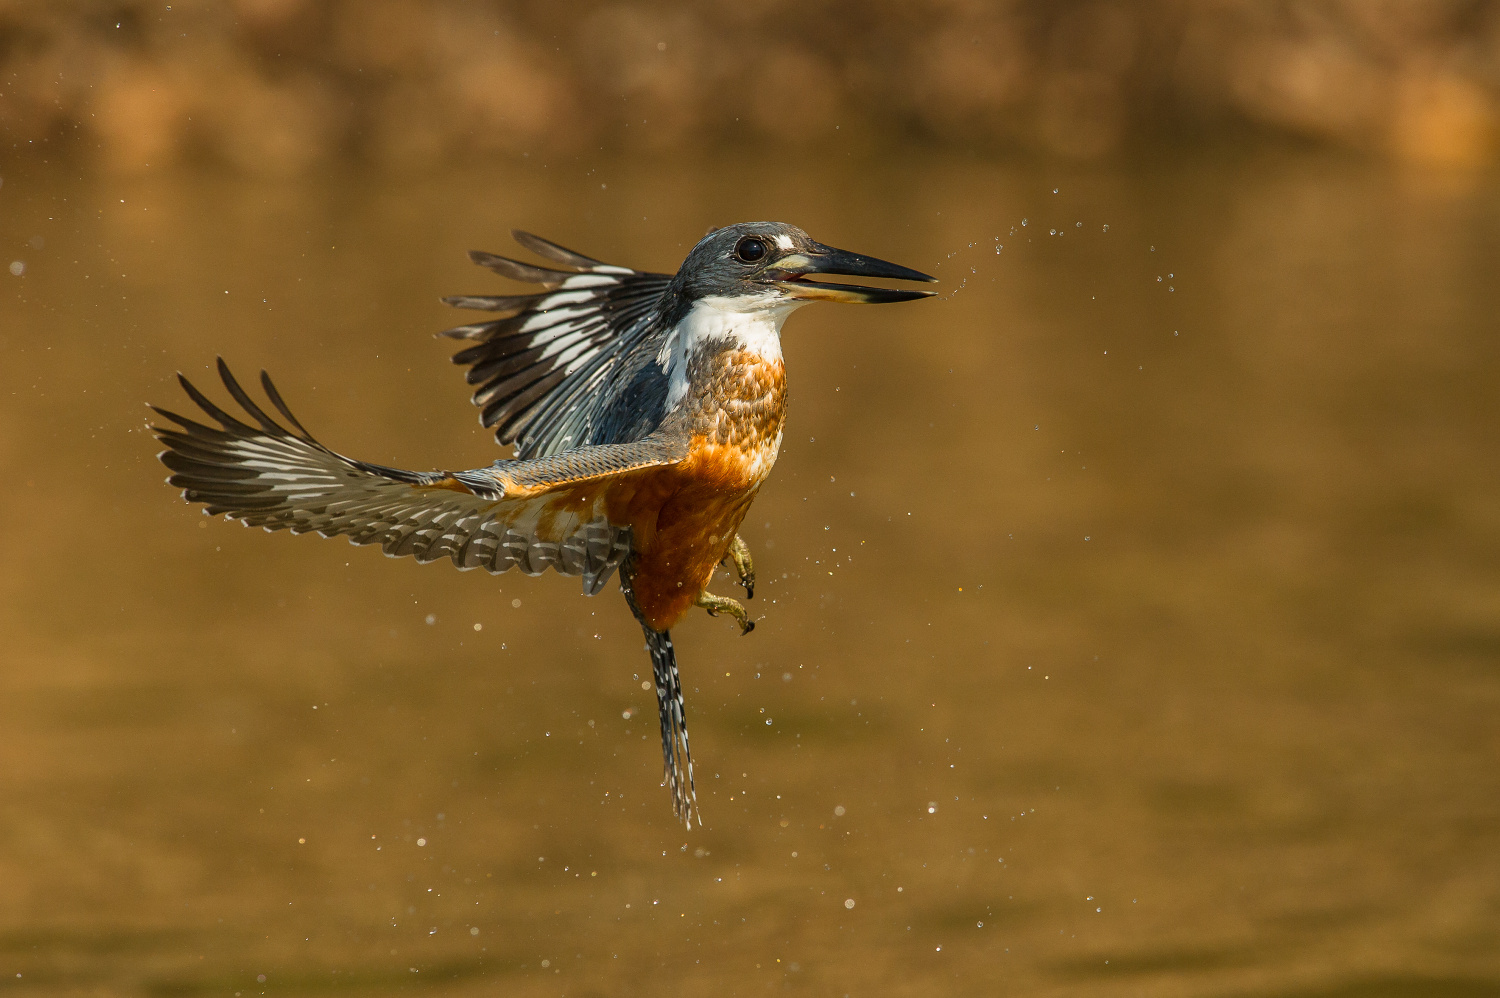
point(715, 604)
point(744, 567)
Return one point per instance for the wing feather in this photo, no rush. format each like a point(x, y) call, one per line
point(555, 253)
point(533, 514)
point(539, 364)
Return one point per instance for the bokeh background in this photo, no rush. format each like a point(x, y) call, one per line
point(1129, 620)
point(284, 87)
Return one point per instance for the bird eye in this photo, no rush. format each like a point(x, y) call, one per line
point(750, 249)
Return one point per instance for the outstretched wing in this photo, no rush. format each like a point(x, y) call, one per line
point(535, 514)
point(542, 366)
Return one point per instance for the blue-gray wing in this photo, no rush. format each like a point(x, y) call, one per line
point(550, 370)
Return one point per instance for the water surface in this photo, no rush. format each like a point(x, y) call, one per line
point(1129, 623)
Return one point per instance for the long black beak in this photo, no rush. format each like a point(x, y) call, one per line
point(827, 260)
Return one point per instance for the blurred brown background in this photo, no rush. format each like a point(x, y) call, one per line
point(1129, 620)
point(283, 86)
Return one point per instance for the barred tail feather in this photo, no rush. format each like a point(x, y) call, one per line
point(677, 758)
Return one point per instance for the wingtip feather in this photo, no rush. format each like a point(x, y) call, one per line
point(552, 251)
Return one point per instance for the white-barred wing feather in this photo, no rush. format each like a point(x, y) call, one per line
point(531, 514)
point(541, 367)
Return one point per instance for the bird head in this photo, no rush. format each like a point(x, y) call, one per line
point(766, 265)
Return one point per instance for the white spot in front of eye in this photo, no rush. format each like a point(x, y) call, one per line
point(785, 242)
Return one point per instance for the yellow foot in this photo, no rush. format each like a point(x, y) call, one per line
point(716, 604)
point(739, 555)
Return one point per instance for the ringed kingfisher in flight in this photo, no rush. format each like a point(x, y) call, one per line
point(645, 411)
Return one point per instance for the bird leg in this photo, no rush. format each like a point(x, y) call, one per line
point(739, 554)
point(713, 604)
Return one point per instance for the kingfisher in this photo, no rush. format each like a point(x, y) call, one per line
point(645, 411)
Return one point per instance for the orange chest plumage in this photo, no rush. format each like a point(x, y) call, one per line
point(683, 516)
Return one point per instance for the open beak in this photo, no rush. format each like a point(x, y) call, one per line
point(791, 273)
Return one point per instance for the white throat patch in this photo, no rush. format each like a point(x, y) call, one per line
point(751, 323)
